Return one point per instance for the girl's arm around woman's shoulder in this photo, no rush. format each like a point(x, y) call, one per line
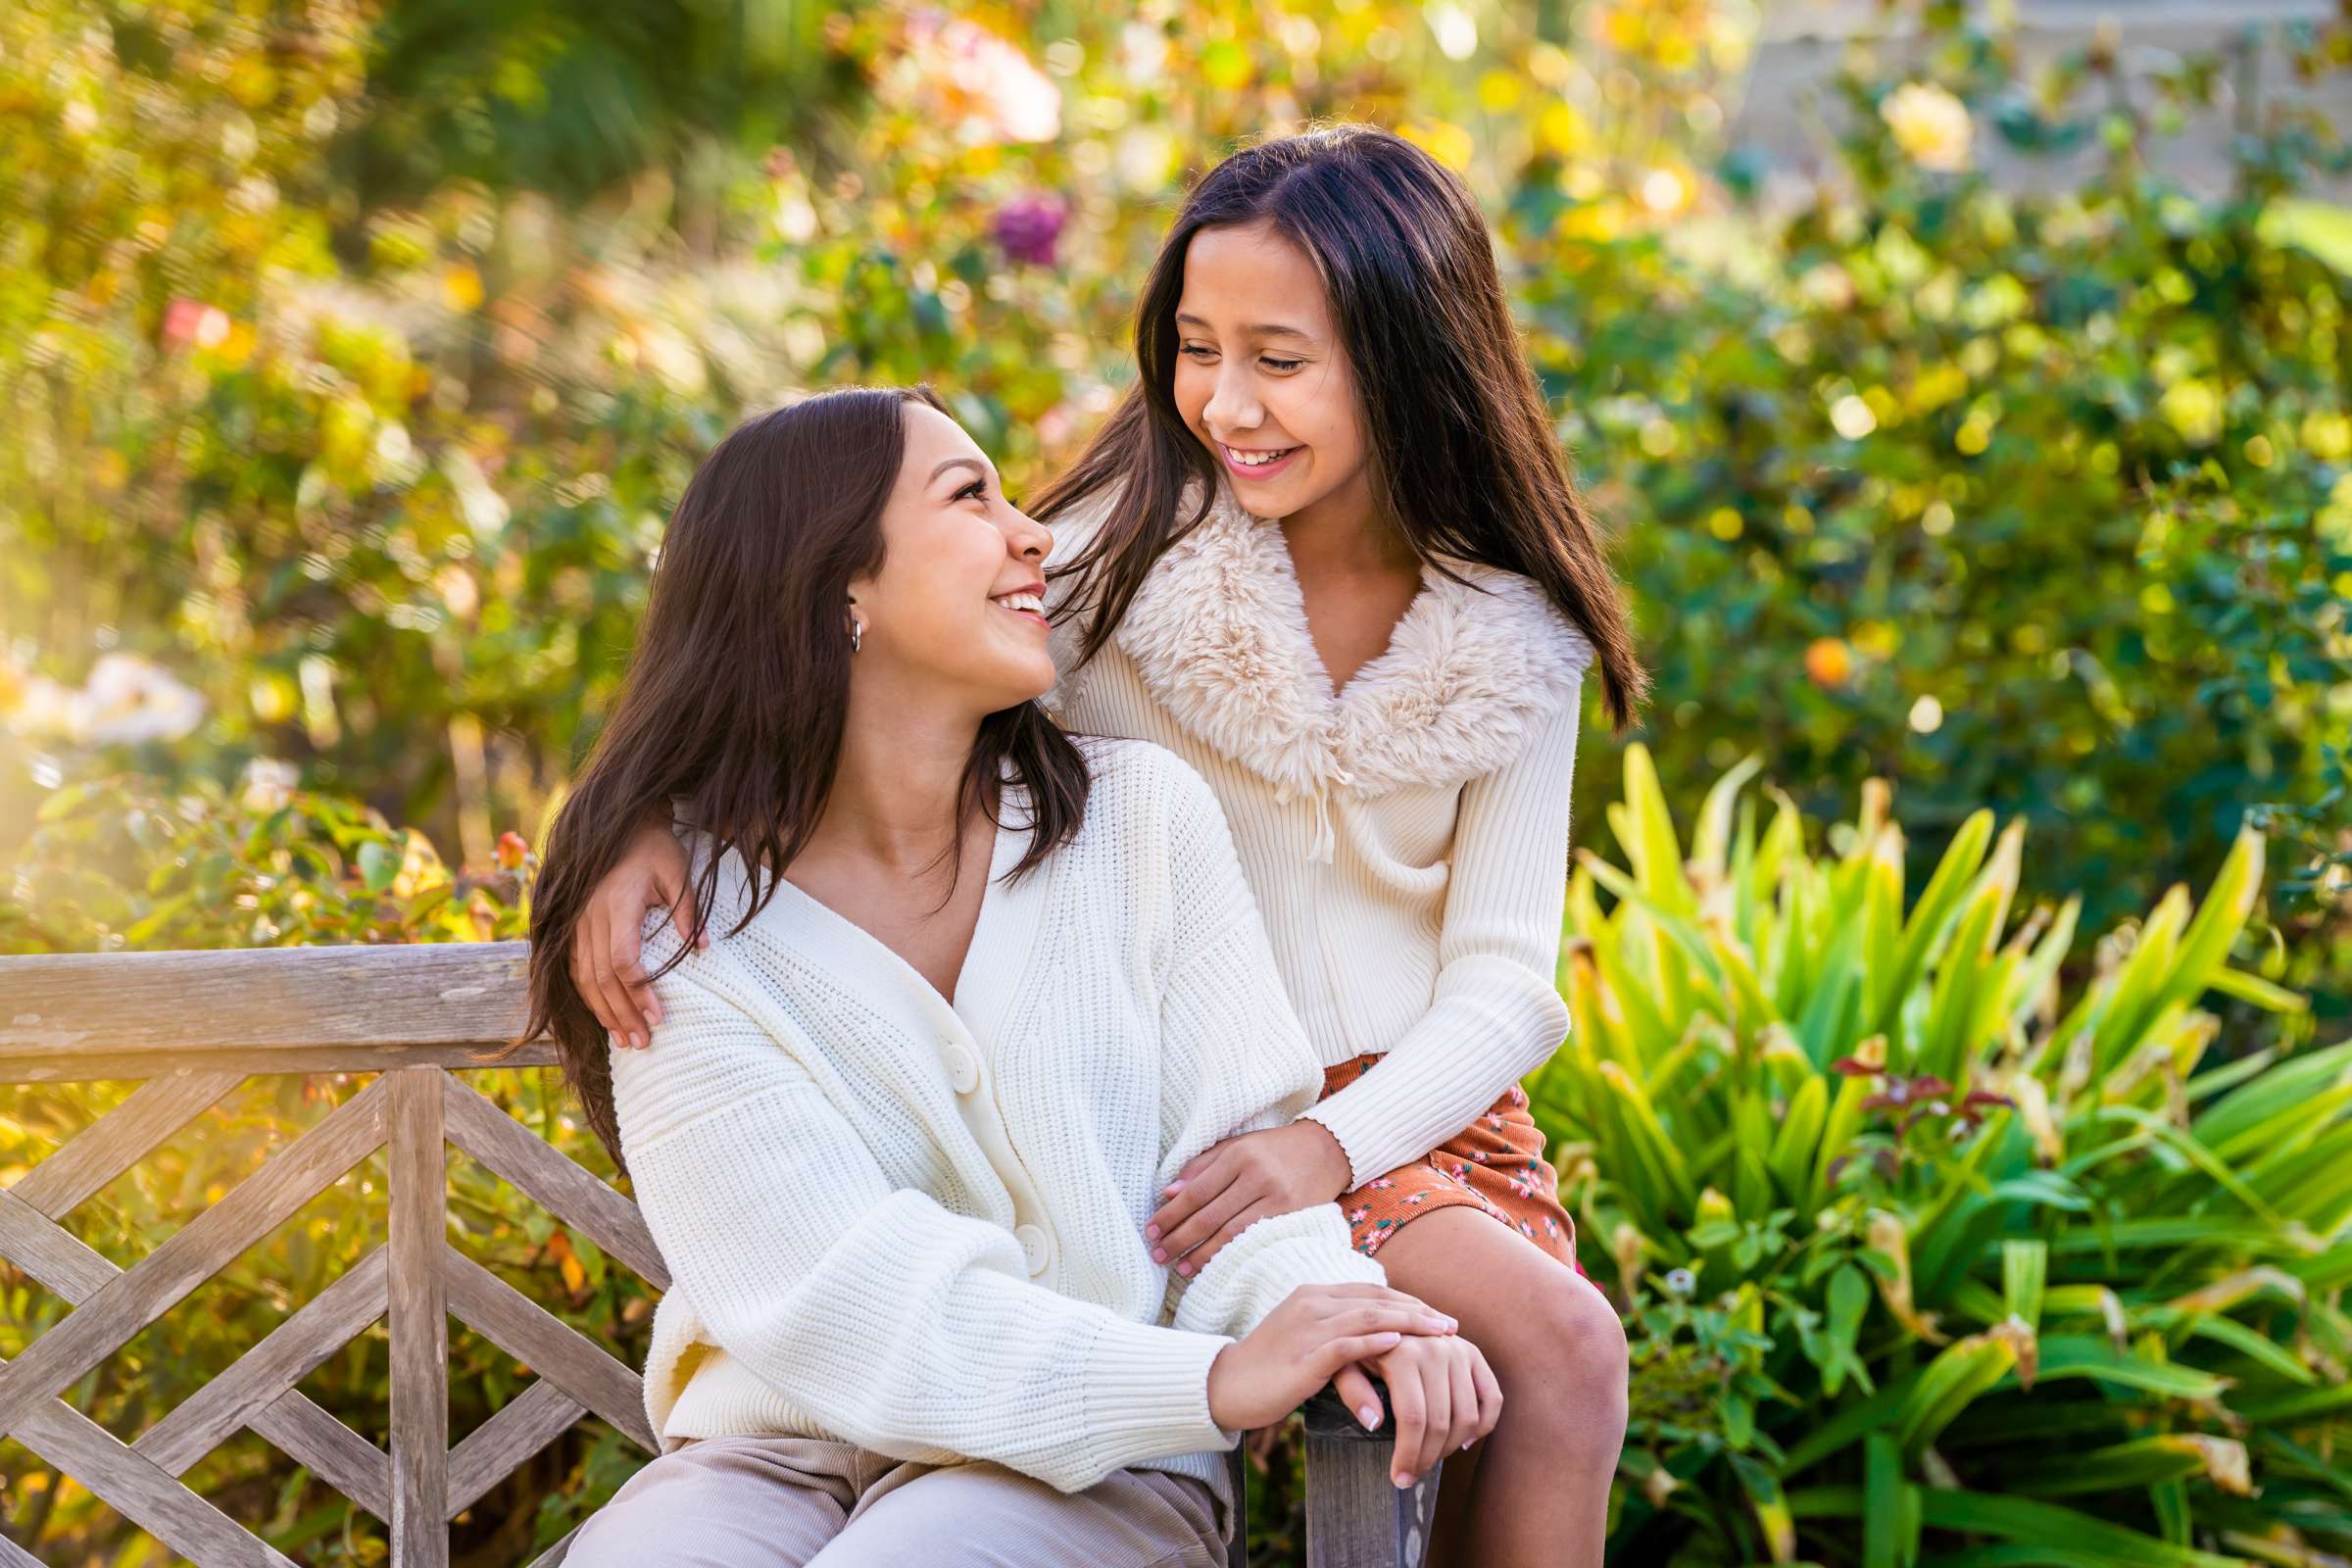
point(899, 1324)
point(1234, 1056)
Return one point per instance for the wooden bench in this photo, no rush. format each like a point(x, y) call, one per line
point(193, 1026)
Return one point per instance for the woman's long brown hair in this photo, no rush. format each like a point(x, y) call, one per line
point(1464, 455)
point(737, 692)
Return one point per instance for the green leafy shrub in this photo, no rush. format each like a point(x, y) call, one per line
point(1931, 1254)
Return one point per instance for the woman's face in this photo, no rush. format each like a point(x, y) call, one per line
point(958, 603)
point(1260, 375)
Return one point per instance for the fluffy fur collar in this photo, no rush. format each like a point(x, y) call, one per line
point(1219, 633)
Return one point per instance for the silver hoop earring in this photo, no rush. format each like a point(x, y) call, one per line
point(856, 635)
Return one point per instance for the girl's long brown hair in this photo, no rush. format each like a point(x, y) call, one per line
point(736, 695)
point(1464, 455)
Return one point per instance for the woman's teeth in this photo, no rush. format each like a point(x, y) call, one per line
point(1035, 604)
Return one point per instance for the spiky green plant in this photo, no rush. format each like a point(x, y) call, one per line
point(1925, 1262)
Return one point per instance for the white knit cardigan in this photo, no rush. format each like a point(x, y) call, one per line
point(917, 1226)
point(1406, 839)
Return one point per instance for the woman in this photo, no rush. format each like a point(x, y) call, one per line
point(976, 996)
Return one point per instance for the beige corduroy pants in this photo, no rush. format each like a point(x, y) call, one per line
point(808, 1502)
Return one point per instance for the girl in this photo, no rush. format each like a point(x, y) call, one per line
point(977, 996)
point(1326, 552)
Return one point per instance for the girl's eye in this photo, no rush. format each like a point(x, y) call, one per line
point(1198, 351)
point(1284, 365)
point(977, 490)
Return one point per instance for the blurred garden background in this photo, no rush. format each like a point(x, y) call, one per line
point(1959, 1101)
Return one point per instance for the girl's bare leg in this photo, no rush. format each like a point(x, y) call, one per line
point(1539, 1492)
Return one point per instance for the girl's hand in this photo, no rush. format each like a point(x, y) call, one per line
point(1318, 1334)
point(605, 943)
point(1444, 1396)
point(1241, 1179)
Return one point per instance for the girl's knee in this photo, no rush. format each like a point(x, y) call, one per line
point(1577, 1346)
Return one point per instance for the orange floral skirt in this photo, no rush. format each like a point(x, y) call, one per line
point(1496, 1164)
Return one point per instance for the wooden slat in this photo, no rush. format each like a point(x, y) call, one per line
point(135, 1487)
point(489, 1453)
point(259, 1000)
point(331, 1450)
point(129, 1302)
point(554, 1555)
point(64, 1263)
point(283, 1358)
point(420, 1320)
point(121, 1139)
point(550, 1346)
point(13, 1555)
point(81, 1066)
point(557, 1182)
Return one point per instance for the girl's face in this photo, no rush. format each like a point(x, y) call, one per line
point(958, 603)
point(1260, 375)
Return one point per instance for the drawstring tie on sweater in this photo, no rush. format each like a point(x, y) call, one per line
point(1326, 839)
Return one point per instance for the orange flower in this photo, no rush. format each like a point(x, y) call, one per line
point(1828, 660)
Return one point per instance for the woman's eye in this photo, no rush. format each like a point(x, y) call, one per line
point(977, 490)
point(1284, 365)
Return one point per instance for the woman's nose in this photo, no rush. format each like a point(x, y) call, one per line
point(1026, 537)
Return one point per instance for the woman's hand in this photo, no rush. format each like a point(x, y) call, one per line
point(605, 943)
point(1231, 1183)
point(1318, 1334)
point(1444, 1398)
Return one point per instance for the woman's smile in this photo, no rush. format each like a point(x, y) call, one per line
point(1028, 602)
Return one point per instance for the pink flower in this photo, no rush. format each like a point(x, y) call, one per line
point(1027, 227)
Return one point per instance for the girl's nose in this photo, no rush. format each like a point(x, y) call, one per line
point(1233, 407)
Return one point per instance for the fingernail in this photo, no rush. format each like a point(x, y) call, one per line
point(652, 1014)
point(1370, 1415)
point(1150, 1233)
point(1160, 1254)
point(1172, 1186)
point(612, 1039)
point(1183, 1268)
point(1403, 1481)
point(1466, 1445)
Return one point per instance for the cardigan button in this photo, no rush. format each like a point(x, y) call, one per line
point(963, 1069)
point(1036, 1248)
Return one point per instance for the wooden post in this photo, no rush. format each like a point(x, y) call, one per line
point(1355, 1516)
point(419, 1322)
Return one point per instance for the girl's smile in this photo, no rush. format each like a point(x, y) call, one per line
point(1256, 464)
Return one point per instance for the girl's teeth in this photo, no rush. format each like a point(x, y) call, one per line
point(1023, 601)
point(1249, 459)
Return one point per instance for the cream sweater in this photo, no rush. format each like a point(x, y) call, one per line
point(917, 1226)
point(1407, 840)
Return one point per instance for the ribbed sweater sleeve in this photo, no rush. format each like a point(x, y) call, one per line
point(1497, 1015)
point(902, 1326)
point(1236, 1060)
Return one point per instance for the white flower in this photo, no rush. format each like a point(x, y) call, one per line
point(269, 784)
point(1681, 1282)
point(130, 701)
point(1930, 125)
